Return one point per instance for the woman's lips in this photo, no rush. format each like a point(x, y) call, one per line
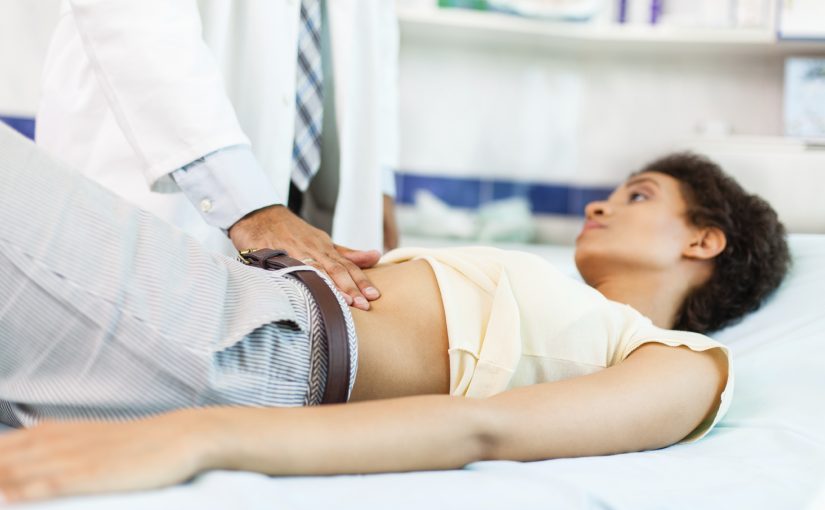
point(591, 224)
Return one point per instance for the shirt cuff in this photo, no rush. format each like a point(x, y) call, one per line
point(388, 181)
point(226, 185)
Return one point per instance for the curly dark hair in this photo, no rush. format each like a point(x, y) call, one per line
point(756, 257)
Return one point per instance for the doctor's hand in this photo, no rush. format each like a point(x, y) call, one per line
point(278, 228)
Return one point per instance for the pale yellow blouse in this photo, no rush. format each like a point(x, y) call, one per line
point(513, 319)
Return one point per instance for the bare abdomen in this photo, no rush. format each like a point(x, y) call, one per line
point(402, 340)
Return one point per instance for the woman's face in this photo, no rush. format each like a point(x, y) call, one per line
point(641, 226)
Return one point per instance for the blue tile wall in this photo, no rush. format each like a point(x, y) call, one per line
point(468, 192)
point(24, 125)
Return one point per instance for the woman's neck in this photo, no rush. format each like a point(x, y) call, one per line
point(658, 296)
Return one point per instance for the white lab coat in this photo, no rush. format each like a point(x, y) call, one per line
point(134, 90)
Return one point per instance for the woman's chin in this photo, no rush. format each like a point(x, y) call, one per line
point(590, 256)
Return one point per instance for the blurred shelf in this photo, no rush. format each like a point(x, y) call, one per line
point(489, 29)
point(760, 144)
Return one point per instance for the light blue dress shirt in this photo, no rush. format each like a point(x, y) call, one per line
point(229, 183)
point(226, 185)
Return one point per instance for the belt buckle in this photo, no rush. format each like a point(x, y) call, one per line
point(262, 257)
point(243, 255)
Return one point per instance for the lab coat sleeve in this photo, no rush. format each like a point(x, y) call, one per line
point(226, 185)
point(159, 78)
point(388, 98)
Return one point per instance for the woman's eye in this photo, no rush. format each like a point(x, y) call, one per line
point(635, 196)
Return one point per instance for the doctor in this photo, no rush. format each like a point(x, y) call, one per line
point(219, 116)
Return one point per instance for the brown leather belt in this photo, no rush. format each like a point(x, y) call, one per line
point(332, 318)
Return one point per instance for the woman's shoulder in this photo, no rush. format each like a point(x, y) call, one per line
point(642, 327)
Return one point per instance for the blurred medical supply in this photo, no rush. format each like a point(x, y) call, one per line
point(564, 10)
point(752, 13)
point(480, 5)
point(505, 220)
point(707, 13)
point(638, 11)
point(432, 217)
point(805, 98)
point(802, 19)
point(715, 128)
point(686, 13)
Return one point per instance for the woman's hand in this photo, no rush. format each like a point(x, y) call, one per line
point(61, 459)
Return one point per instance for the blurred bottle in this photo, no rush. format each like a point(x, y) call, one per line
point(801, 19)
point(479, 5)
point(752, 13)
point(699, 13)
point(635, 11)
point(608, 12)
point(416, 4)
point(805, 98)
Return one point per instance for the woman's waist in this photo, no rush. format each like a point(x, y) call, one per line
point(403, 337)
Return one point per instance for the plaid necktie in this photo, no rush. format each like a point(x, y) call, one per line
point(306, 150)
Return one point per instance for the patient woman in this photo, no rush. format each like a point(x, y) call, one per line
point(471, 354)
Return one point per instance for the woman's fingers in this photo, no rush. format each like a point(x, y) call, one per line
point(89, 473)
point(40, 478)
point(61, 459)
point(35, 463)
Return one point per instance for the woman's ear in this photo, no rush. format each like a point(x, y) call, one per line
point(706, 243)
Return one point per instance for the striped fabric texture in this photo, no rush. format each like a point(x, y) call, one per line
point(306, 150)
point(110, 313)
point(279, 364)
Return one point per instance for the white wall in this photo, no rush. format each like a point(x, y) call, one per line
point(550, 115)
point(25, 29)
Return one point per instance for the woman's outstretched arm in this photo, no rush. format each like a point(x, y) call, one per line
point(654, 398)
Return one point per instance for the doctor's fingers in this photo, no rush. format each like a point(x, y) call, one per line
point(360, 258)
point(350, 279)
point(277, 227)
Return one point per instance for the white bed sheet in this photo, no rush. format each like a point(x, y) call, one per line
point(767, 453)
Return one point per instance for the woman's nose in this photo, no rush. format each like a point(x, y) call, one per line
point(597, 208)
